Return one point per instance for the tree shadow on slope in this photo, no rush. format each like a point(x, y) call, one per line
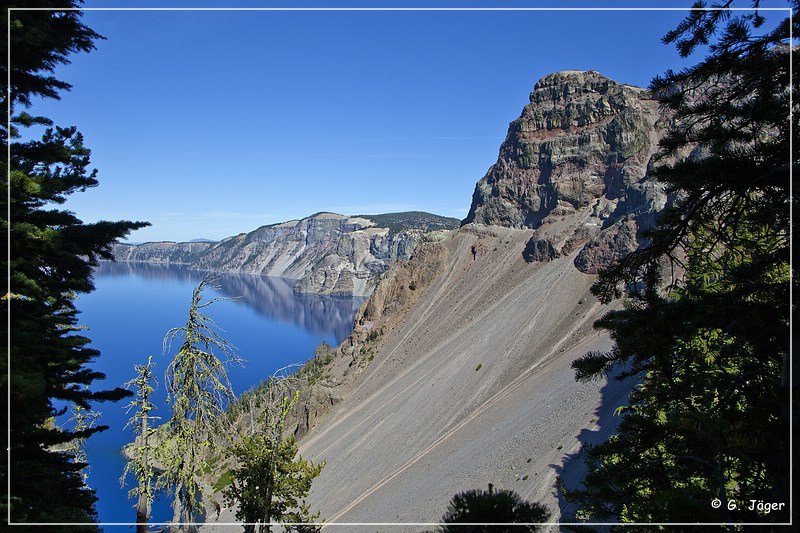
point(573, 468)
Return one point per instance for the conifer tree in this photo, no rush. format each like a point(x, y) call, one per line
point(475, 511)
point(199, 391)
point(709, 419)
point(270, 482)
point(140, 461)
point(52, 256)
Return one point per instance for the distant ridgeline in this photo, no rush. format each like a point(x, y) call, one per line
point(327, 253)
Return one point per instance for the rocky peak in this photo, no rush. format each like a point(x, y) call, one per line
point(574, 168)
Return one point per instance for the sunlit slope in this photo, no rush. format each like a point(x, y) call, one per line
point(473, 387)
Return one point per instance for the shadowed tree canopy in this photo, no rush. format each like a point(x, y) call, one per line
point(52, 256)
point(705, 325)
point(483, 511)
point(40, 41)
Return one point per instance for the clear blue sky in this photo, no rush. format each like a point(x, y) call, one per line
point(209, 124)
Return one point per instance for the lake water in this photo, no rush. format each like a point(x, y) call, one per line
point(133, 306)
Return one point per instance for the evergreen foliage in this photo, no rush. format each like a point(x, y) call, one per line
point(409, 220)
point(199, 390)
point(140, 461)
point(269, 484)
point(483, 510)
point(710, 345)
point(52, 256)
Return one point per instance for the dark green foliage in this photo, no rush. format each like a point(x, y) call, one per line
point(40, 41)
point(709, 418)
point(52, 255)
point(223, 481)
point(268, 484)
point(260, 467)
point(304, 375)
point(486, 507)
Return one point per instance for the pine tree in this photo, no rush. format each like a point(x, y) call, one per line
point(199, 391)
point(485, 510)
point(709, 418)
point(140, 461)
point(269, 484)
point(52, 256)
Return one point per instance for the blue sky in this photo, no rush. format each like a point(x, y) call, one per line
point(207, 124)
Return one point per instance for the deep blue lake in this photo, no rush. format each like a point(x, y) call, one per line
point(133, 306)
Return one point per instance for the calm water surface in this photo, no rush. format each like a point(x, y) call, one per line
point(133, 306)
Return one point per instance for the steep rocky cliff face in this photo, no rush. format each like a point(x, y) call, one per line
point(574, 167)
point(326, 253)
point(458, 372)
point(467, 346)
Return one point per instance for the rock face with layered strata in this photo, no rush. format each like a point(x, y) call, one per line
point(326, 253)
point(575, 168)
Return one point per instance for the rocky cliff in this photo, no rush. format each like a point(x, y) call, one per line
point(326, 253)
point(574, 167)
point(457, 372)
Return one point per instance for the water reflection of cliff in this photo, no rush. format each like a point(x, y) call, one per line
point(270, 296)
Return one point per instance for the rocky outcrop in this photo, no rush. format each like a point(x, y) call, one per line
point(326, 253)
point(574, 167)
point(539, 250)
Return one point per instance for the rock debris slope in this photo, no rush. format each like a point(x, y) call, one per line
point(457, 373)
